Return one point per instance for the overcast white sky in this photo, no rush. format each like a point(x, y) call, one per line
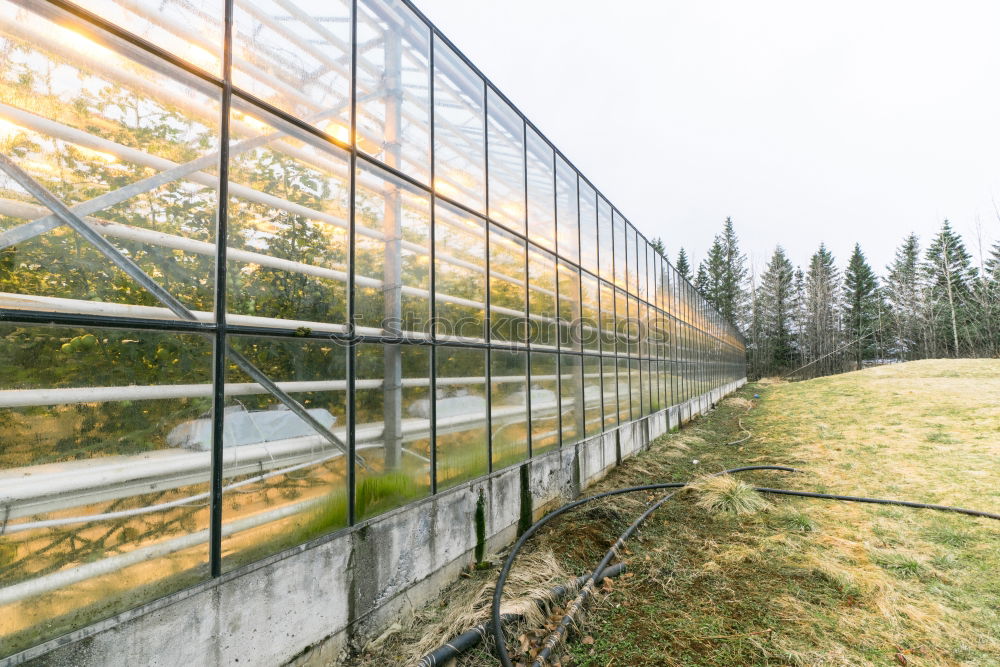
point(803, 120)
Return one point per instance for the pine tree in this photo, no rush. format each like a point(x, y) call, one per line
point(950, 275)
point(732, 295)
point(861, 304)
point(683, 265)
point(658, 246)
point(701, 281)
point(904, 295)
point(776, 305)
point(711, 274)
point(722, 276)
point(822, 327)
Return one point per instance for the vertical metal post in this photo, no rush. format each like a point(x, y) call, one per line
point(559, 346)
point(579, 394)
point(528, 329)
point(392, 266)
point(219, 340)
point(488, 315)
point(431, 330)
point(352, 481)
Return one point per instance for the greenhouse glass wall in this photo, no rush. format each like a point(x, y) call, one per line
point(269, 269)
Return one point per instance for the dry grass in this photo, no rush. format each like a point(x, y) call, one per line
point(807, 582)
point(726, 495)
point(738, 402)
point(467, 604)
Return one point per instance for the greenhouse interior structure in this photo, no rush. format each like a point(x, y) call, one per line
point(273, 270)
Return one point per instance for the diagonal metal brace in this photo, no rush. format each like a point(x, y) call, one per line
point(65, 215)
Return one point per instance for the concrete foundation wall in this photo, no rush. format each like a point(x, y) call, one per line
point(307, 605)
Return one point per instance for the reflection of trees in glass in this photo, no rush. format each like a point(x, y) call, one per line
point(58, 263)
point(47, 357)
point(276, 232)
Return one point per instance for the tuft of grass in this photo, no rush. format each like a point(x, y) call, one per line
point(727, 495)
point(795, 521)
point(901, 565)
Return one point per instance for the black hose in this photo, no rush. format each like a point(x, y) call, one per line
point(471, 638)
point(496, 622)
point(879, 501)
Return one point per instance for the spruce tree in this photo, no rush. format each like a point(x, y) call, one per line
point(711, 275)
point(658, 246)
point(732, 295)
point(776, 304)
point(701, 281)
point(683, 265)
point(950, 275)
point(861, 304)
point(822, 334)
point(904, 295)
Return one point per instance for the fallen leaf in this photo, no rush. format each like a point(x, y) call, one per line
point(901, 659)
point(588, 640)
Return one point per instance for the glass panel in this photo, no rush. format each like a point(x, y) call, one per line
point(571, 403)
point(641, 268)
point(508, 310)
point(459, 130)
point(624, 392)
point(297, 57)
point(589, 314)
point(606, 240)
point(89, 421)
point(634, 326)
point(619, 243)
point(461, 415)
point(509, 407)
point(649, 388)
point(284, 482)
point(391, 253)
point(288, 218)
point(542, 298)
point(610, 380)
point(608, 323)
point(635, 381)
point(505, 138)
point(569, 306)
point(592, 395)
point(630, 259)
point(541, 191)
point(567, 211)
point(643, 329)
point(394, 108)
point(623, 326)
point(588, 227)
point(392, 432)
point(70, 120)
point(186, 30)
point(544, 403)
point(460, 279)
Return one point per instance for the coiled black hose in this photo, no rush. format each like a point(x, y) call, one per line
point(496, 624)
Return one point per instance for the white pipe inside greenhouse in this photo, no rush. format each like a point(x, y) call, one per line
point(74, 575)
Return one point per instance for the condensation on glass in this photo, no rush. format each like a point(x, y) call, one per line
point(418, 290)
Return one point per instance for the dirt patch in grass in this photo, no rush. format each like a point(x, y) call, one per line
point(800, 582)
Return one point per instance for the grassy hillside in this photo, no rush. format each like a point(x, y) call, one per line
point(805, 582)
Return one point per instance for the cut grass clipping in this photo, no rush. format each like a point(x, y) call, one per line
point(727, 496)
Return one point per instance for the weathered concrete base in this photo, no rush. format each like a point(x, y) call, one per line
point(309, 605)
